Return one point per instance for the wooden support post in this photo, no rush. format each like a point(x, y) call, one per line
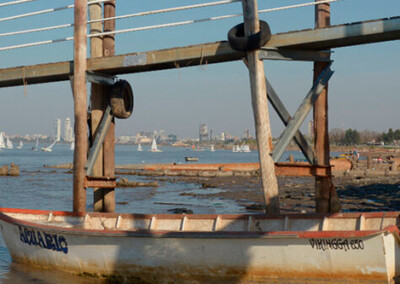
point(96, 99)
point(325, 193)
point(260, 111)
point(109, 142)
point(80, 105)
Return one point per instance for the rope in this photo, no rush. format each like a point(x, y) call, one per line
point(297, 6)
point(206, 19)
point(37, 30)
point(45, 11)
point(35, 43)
point(162, 25)
point(15, 2)
point(166, 10)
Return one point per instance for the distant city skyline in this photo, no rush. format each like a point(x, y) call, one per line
point(363, 91)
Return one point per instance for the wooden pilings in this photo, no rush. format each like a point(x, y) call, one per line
point(109, 141)
point(325, 194)
point(260, 111)
point(96, 99)
point(80, 105)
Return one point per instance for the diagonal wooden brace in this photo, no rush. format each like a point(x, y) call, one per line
point(284, 115)
point(301, 113)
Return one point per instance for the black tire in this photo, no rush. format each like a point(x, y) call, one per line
point(121, 99)
point(239, 42)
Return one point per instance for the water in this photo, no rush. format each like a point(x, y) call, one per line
point(39, 187)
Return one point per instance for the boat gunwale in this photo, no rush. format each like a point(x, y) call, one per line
point(202, 234)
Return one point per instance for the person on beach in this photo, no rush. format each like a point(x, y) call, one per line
point(356, 155)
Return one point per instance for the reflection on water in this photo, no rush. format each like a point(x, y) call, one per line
point(38, 187)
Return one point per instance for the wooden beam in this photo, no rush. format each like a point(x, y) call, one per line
point(208, 53)
point(260, 110)
point(80, 106)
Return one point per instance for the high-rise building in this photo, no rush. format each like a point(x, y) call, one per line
point(57, 126)
point(203, 133)
point(68, 131)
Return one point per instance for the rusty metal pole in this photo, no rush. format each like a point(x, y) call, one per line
point(96, 99)
point(260, 111)
point(325, 193)
point(109, 142)
point(80, 105)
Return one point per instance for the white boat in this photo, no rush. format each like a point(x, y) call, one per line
point(2, 142)
point(236, 148)
point(154, 147)
point(245, 148)
point(36, 147)
point(180, 248)
point(212, 148)
point(21, 144)
point(49, 148)
point(9, 144)
point(72, 147)
point(139, 147)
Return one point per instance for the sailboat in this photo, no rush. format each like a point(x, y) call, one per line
point(36, 147)
point(21, 144)
point(139, 147)
point(9, 144)
point(154, 146)
point(48, 149)
point(246, 148)
point(2, 143)
point(72, 147)
point(212, 148)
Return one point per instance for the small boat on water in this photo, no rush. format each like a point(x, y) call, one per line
point(9, 143)
point(2, 142)
point(191, 159)
point(212, 149)
point(49, 148)
point(153, 248)
point(139, 147)
point(72, 146)
point(36, 147)
point(154, 146)
point(21, 144)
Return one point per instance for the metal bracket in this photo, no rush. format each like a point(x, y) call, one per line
point(271, 53)
point(98, 78)
point(301, 113)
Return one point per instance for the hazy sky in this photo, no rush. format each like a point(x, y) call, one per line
point(363, 92)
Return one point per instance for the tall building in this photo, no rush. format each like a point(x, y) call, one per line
point(68, 131)
point(57, 126)
point(203, 133)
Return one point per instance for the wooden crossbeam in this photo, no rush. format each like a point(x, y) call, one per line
point(208, 53)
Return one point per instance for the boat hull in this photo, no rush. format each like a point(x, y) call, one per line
point(242, 257)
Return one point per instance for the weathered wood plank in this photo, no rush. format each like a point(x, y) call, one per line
point(208, 53)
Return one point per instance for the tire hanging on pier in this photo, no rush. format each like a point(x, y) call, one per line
point(121, 99)
point(239, 42)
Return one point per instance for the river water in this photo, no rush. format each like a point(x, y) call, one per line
point(39, 187)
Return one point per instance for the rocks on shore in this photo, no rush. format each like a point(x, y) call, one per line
point(124, 182)
point(13, 170)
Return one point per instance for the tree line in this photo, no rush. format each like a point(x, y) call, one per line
point(354, 137)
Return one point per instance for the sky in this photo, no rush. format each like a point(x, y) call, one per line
point(363, 91)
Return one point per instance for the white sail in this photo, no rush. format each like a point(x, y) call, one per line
point(72, 147)
point(246, 148)
point(49, 149)
point(154, 147)
point(212, 148)
point(2, 142)
point(9, 144)
point(36, 147)
point(139, 147)
point(21, 144)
